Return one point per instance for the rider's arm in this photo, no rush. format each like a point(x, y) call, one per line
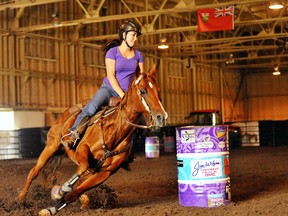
point(111, 75)
point(141, 66)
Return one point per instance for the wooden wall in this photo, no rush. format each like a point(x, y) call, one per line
point(52, 70)
point(266, 97)
point(177, 89)
point(232, 94)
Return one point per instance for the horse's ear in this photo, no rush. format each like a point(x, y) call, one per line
point(153, 70)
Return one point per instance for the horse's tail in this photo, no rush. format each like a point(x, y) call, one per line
point(49, 171)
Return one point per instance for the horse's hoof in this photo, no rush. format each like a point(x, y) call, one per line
point(44, 212)
point(21, 197)
point(85, 202)
point(47, 212)
point(55, 195)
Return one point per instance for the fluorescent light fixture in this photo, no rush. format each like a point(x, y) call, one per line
point(274, 5)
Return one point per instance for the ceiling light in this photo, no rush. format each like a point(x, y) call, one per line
point(276, 71)
point(163, 44)
point(230, 60)
point(56, 19)
point(275, 5)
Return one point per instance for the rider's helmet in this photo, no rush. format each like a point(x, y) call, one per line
point(129, 26)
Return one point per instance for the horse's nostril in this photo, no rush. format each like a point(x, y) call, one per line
point(159, 118)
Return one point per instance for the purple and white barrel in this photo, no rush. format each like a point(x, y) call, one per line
point(203, 166)
point(152, 147)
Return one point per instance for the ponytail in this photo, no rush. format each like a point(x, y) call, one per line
point(111, 44)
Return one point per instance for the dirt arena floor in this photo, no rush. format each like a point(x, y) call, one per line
point(259, 186)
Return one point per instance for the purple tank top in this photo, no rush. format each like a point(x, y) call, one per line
point(125, 68)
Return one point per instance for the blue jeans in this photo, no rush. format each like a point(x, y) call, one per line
point(101, 98)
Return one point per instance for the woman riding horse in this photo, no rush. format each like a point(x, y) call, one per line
point(106, 144)
point(121, 62)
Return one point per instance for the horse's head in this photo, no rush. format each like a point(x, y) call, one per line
point(147, 93)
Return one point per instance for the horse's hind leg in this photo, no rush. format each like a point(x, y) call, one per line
point(51, 147)
point(65, 121)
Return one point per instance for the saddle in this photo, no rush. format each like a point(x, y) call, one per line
point(105, 111)
point(72, 139)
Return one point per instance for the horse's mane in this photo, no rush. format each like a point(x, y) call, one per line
point(137, 74)
point(137, 71)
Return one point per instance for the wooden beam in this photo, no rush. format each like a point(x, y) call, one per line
point(15, 22)
point(135, 15)
point(26, 3)
point(84, 9)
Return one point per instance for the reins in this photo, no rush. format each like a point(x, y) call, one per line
point(133, 124)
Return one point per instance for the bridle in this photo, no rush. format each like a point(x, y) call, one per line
point(144, 103)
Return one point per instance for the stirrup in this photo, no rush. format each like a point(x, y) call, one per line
point(73, 143)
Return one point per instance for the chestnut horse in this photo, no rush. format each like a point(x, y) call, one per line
point(105, 145)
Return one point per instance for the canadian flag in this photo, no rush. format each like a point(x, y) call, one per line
point(216, 19)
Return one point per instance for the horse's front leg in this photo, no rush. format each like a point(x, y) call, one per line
point(58, 193)
point(109, 167)
point(92, 181)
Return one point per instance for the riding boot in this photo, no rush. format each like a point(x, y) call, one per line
point(81, 127)
point(71, 139)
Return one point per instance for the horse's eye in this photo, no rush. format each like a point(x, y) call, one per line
point(142, 91)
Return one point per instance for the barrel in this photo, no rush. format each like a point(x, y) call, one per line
point(169, 144)
point(32, 141)
point(152, 147)
point(203, 166)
